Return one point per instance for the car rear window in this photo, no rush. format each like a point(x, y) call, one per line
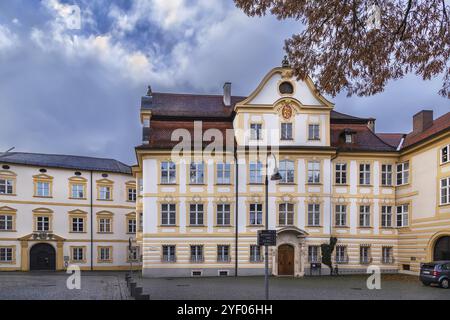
point(428, 266)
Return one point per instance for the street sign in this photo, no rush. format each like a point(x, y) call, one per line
point(267, 237)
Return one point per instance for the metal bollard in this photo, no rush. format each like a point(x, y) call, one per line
point(132, 287)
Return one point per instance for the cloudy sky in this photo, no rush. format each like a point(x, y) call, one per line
point(77, 91)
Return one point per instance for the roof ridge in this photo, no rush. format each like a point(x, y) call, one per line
point(61, 155)
point(197, 94)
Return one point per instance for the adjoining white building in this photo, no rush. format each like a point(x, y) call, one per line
point(57, 210)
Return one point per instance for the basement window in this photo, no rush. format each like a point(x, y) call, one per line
point(197, 273)
point(223, 273)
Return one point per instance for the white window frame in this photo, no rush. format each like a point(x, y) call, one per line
point(43, 189)
point(386, 175)
point(314, 132)
point(313, 172)
point(256, 172)
point(168, 172)
point(286, 131)
point(105, 192)
point(43, 223)
point(255, 253)
point(223, 253)
point(77, 254)
point(314, 254)
point(402, 173)
point(341, 173)
point(444, 188)
point(223, 173)
point(6, 186)
point(168, 214)
point(196, 253)
point(341, 215)
point(364, 254)
point(402, 216)
point(105, 254)
point(364, 216)
point(6, 255)
point(387, 255)
point(447, 154)
point(197, 173)
point(287, 171)
point(169, 253)
point(341, 254)
point(131, 225)
point(76, 223)
point(255, 131)
point(196, 214)
point(77, 191)
point(223, 214)
point(132, 194)
point(313, 214)
point(8, 222)
point(286, 214)
point(386, 216)
point(256, 214)
point(105, 225)
point(364, 174)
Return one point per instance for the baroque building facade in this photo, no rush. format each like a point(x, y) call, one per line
point(58, 210)
point(201, 170)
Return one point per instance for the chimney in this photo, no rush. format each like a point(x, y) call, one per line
point(371, 124)
point(422, 121)
point(227, 94)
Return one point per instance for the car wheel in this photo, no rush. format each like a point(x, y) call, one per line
point(444, 283)
point(426, 283)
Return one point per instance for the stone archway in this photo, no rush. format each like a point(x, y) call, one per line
point(289, 255)
point(441, 250)
point(42, 257)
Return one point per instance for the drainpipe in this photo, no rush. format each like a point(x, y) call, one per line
point(331, 191)
point(236, 217)
point(92, 222)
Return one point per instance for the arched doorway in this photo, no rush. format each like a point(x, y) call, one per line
point(286, 263)
point(442, 249)
point(42, 257)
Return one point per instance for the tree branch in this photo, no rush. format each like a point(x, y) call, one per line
point(402, 28)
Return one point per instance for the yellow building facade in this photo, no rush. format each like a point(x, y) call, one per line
point(201, 172)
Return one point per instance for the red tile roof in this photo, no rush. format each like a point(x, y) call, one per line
point(439, 125)
point(363, 139)
point(392, 139)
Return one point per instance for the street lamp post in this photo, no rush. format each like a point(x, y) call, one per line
point(275, 176)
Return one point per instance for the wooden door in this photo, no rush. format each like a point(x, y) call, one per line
point(286, 260)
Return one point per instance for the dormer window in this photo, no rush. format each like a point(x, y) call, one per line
point(348, 138)
point(286, 88)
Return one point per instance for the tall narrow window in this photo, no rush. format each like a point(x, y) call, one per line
point(43, 189)
point(6, 222)
point(386, 175)
point(255, 253)
point(105, 225)
point(387, 256)
point(77, 224)
point(223, 173)
point(313, 172)
point(364, 216)
point(314, 254)
point(341, 215)
point(105, 254)
point(105, 193)
point(77, 254)
point(223, 253)
point(256, 214)
point(256, 131)
point(286, 131)
point(364, 255)
point(42, 223)
point(364, 174)
point(286, 214)
point(131, 225)
point(386, 216)
point(445, 157)
point(445, 191)
point(132, 194)
point(256, 172)
point(287, 171)
point(223, 214)
point(313, 214)
point(168, 214)
point(77, 191)
point(402, 173)
point(6, 186)
point(196, 214)
point(313, 132)
point(341, 173)
point(196, 253)
point(402, 215)
point(197, 173)
point(168, 172)
point(341, 254)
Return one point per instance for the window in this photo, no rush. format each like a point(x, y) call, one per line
point(286, 131)
point(77, 254)
point(141, 222)
point(313, 132)
point(341, 215)
point(104, 193)
point(364, 174)
point(196, 214)
point(6, 255)
point(42, 223)
point(286, 88)
point(256, 172)
point(287, 171)
point(364, 255)
point(42, 189)
point(445, 191)
point(168, 173)
point(255, 253)
point(223, 173)
point(223, 214)
point(6, 186)
point(255, 131)
point(313, 254)
point(313, 172)
point(77, 191)
point(348, 138)
point(402, 173)
point(341, 173)
point(402, 215)
point(286, 214)
point(77, 224)
point(256, 214)
point(386, 174)
point(6, 222)
point(387, 256)
point(313, 215)
point(169, 254)
point(196, 253)
point(168, 214)
point(341, 254)
point(445, 154)
point(364, 216)
point(132, 194)
point(131, 225)
point(104, 225)
point(223, 253)
point(386, 216)
point(104, 254)
point(196, 173)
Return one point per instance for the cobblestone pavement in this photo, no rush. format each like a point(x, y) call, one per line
point(52, 286)
point(309, 288)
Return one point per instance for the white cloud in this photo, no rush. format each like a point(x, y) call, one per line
point(8, 40)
